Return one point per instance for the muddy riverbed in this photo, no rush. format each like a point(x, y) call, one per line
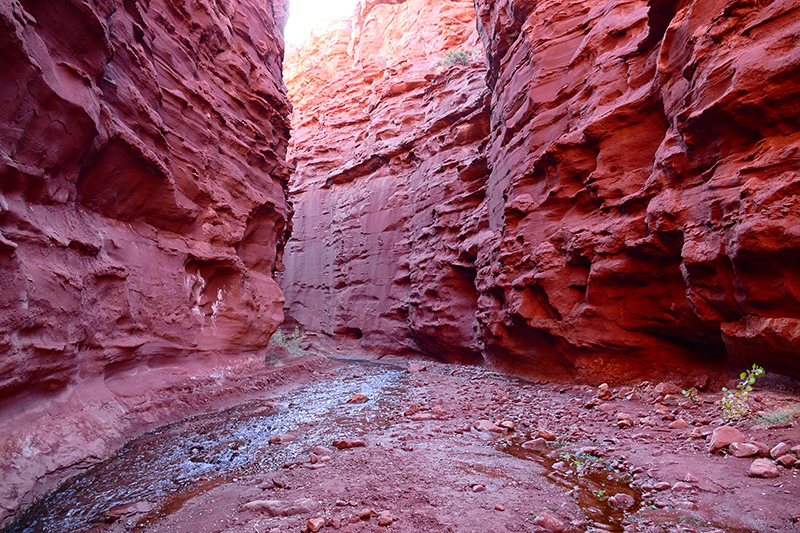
point(440, 449)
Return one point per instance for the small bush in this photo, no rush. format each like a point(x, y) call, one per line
point(734, 404)
point(454, 57)
point(290, 342)
point(781, 417)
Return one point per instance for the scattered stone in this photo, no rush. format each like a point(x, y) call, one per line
point(763, 468)
point(779, 450)
point(796, 450)
point(662, 485)
point(763, 449)
point(282, 508)
point(787, 460)
point(282, 439)
point(385, 518)
point(487, 425)
point(624, 420)
point(680, 486)
point(321, 451)
point(665, 388)
point(507, 424)
point(549, 522)
point(622, 500)
point(366, 514)
point(315, 524)
point(421, 417)
point(358, 398)
point(535, 445)
point(546, 435)
point(349, 443)
point(499, 507)
point(724, 436)
point(743, 449)
point(702, 382)
point(478, 488)
point(679, 424)
point(603, 392)
point(414, 367)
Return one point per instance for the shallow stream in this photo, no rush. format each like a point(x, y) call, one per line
point(176, 462)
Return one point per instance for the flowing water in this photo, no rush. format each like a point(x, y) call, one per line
point(176, 462)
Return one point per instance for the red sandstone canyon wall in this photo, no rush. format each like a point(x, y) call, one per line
point(387, 143)
point(644, 183)
point(142, 214)
point(629, 208)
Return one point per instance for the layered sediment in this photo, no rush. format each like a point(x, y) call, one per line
point(621, 205)
point(142, 214)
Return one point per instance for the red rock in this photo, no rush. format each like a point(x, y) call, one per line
point(787, 460)
point(366, 514)
point(282, 508)
point(622, 500)
point(722, 437)
point(536, 445)
point(414, 367)
point(143, 211)
point(743, 449)
point(385, 518)
point(487, 425)
point(358, 398)
point(345, 444)
point(679, 424)
point(282, 439)
point(315, 524)
point(546, 435)
point(763, 468)
point(778, 450)
point(763, 449)
point(549, 522)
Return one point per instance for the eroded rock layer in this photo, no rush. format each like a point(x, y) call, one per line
point(142, 213)
point(388, 132)
point(631, 212)
point(644, 186)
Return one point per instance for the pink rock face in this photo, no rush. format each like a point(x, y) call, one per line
point(142, 211)
point(387, 143)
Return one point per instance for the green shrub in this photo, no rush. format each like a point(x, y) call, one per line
point(734, 404)
point(290, 342)
point(453, 57)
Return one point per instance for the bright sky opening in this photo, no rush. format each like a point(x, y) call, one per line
point(307, 15)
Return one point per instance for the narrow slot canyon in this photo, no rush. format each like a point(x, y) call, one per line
point(444, 266)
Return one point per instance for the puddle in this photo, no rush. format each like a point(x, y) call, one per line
point(591, 481)
point(175, 463)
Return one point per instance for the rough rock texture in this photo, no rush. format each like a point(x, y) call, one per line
point(640, 178)
point(644, 186)
point(387, 143)
point(142, 213)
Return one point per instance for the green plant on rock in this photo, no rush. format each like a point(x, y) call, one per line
point(734, 403)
